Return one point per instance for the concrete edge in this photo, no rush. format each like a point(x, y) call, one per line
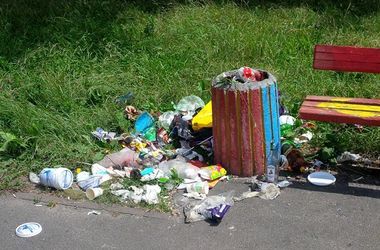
point(45, 199)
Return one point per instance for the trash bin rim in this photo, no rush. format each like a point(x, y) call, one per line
point(248, 85)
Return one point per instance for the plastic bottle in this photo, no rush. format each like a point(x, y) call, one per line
point(273, 165)
point(184, 169)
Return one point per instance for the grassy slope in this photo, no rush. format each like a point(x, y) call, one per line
point(62, 64)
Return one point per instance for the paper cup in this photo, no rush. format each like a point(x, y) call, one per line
point(92, 193)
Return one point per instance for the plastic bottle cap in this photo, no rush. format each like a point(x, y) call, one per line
point(28, 229)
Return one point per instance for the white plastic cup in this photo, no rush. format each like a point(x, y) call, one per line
point(92, 193)
point(199, 187)
point(59, 178)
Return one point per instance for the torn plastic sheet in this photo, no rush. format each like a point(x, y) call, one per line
point(189, 104)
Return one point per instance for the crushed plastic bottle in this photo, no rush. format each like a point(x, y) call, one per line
point(184, 169)
point(125, 157)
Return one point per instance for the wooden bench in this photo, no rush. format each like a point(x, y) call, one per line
point(339, 109)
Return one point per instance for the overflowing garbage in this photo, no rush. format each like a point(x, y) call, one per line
point(173, 152)
point(162, 154)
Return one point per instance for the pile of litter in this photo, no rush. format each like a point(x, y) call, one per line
point(174, 151)
point(163, 152)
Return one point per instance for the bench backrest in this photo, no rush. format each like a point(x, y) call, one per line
point(345, 58)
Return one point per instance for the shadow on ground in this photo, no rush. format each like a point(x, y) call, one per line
point(347, 183)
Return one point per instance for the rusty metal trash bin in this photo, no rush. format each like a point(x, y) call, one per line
point(245, 113)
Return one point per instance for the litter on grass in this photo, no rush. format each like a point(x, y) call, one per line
point(174, 150)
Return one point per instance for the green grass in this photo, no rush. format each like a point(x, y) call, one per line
point(62, 64)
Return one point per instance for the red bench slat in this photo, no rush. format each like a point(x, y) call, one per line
point(346, 58)
point(342, 110)
point(326, 115)
point(346, 49)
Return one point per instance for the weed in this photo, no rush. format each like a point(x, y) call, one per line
point(52, 204)
point(36, 200)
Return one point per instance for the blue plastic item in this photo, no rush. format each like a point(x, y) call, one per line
point(147, 171)
point(144, 122)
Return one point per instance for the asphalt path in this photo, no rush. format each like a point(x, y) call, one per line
point(343, 216)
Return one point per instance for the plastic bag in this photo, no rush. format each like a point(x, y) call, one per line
point(189, 104)
point(151, 194)
point(212, 172)
point(213, 208)
point(144, 122)
point(268, 191)
point(165, 120)
point(204, 118)
point(184, 169)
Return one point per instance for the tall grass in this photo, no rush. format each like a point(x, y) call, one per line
point(62, 64)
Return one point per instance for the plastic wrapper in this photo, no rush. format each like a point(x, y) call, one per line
point(155, 174)
point(181, 128)
point(212, 172)
point(165, 119)
point(348, 157)
point(102, 135)
point(266, 191)
point(212, 208)
point(189, 104)
point(144, 122)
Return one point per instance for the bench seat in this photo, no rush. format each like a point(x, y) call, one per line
point(341, 110)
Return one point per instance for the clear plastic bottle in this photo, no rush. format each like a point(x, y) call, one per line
point(273, 169)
